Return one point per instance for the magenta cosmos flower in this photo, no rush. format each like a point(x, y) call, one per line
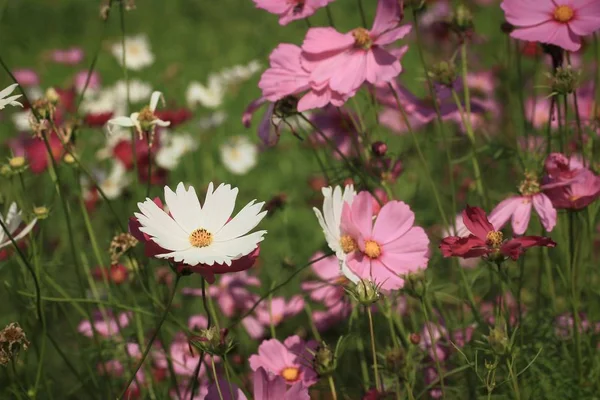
point(287, 76)
point(106, 324)
point(558, 22)
point(289, 359)
point(384, 250)
point(291, 10)
point(519, 207)
point(568, 183)
point(344, 61)
point(485, 241)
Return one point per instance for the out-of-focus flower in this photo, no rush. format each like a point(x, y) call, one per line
point(485, 241)
point(137, 52)
point(518, 208)
point(276, 310)
point(143, 121)
point(138, 91)
point(387, 249)
point(537, 111)
point(172, 148)
point(329, 289)
point(559, 23)
point(334, 200)
point(238, 155)
point(70, 56)
point(26, 77)
point(209, 96)
point(115, 181)
point(82, 77)
point(214, 120)
point(13, 221)
point(291, 10)
point(568, 184)
point(106, 324)
point(6, 99)
point(343, 62)
point(184, 357)
point(290, 359)
point(174, 116)
point(203, 238)
point(239, 73)
point(335, 128)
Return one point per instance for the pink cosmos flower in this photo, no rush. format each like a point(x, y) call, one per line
point(332, 316)
point(291, 10)
point(26, 77)
point(278, 309)
point(329, 289)
point(561, 23)
point(81, 78)
point(519, 208)
point(185, 391)
point(485, 241)
point(568, 183)
point(184, 358)
point(290, 359)
point(105, 325)
point(287, 76)
point(70, 56)
point(537, 112)
point(337, 126)
point(388, 248)
point(345, 61)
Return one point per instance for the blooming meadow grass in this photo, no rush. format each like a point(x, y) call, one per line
point(319, 199)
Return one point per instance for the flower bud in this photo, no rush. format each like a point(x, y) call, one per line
point(41, 212)
point(462, 19)
point(69, 159)
point(415, 338)
point(395, 361)
point(443, 73)
point(324, 362)
point(52, 95)
point(213, 341)
point(498, 339)
point(415, 284)
point(6, 171)
point(365, 292)
point(379, 149)
point(17, 164)
point(565, 80)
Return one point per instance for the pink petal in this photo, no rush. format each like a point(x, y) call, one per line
point(476, 222)
point(504, 211)
point(393, 221)
point(408, 252)
point(523, 13)
point(362, 213)
point(381, 66)
point(314, 99)
point(551, 32)
point(393, 35)
point(587, 17)
point(387, 278)
point(521, 216)
point(387, 16)
point(349, 76)
point(546, 211)
point(326, 40)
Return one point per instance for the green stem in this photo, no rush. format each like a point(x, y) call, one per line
point(153, 338)
point(513, 379)
point(332, 387)
point(373, 350)
point(434, 347)
point(214, 370)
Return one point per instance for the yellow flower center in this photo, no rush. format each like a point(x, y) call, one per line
point(563, 13)
point(201, 238)
point(362, 38)
point(341, 280)
point(348, 244)
point(494, 238)
point(146, 115)
point(372, 249)
point(290, 374)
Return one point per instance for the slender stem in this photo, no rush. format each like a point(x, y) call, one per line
point(149, 183)
point(332, 387)
point(329, 16)
point(194, 380)
point(373, 350)
point(434, 347)
point(363, 18)
point(513, 378)
point(153, 338)
point(214, 370)
point(574, 296)
point(313, 327)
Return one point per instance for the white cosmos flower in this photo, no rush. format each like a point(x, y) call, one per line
point(214, 120)
point(330, 220)
point(21, 120)
point(209, 96)
point(100, 101)
point(143, 121)
point(12, 222)
point(195, 234)
point(6, 99)
point(172, 148)
point(239, 155)
point(137, 52)
point(113, 184)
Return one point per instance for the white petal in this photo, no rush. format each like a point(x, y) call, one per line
point(154, 98)
point(184, 206)
point(26, 230)
point(8, 90)
point(13, 218)
point(240, 246)
point(333, 241)
point(203, 215)
point(160, 122)
point(198, 255)
point(125, 122)
point(242, 223)
point(218, 208)
point(163, 229)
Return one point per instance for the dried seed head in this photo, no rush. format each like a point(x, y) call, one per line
point(12, 340)
point(120, 245)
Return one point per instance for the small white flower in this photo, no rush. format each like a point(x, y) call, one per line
point(239, 155)
point(143, 121)
point(138, 91)
point(117, 180)
point(330, 220)
point(173, 147)
point(21, 120)
point(137, 52)
point(98, 102)
point(195, 234)
point(209, 96)
point(214, 120)
point(12, 222)
point(6, 99)
point(239, 73)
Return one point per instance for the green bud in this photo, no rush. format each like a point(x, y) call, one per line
point(498, 339)
point(213, 341)
point(365, 292)
point(395, 361)
point(415, 284)
point(462, 18)
point(443, 73)
point(324, 362)
point(565, 80)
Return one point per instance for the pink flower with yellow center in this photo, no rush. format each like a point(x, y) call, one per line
point(559, 22)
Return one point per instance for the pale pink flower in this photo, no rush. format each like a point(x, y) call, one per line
point(278, 309)
point(291, 359)
point(537, 112)
point(105, 324)
point(337, 127)
point(291, 10)
point(185, 391)
point(184, 357)
point(387, 249)
point(81, 78)
point(345, 61)
point(70, 56)
point(287, 76)
point(568, 183)
point(26, 77)
point(329, 289)
point(332, 316)
point(562, 23)
point(518, 208)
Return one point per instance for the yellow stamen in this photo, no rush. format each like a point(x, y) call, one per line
point(494, 238)
point(200, 238)
point(290, 374)
point(564, 13)
point(362, 38)
point(372, 249)
point(348, 244)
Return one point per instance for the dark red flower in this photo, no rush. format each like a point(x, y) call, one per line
point(37, 154)
point(97, 120)
point(484, 241)
point(175, 117)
